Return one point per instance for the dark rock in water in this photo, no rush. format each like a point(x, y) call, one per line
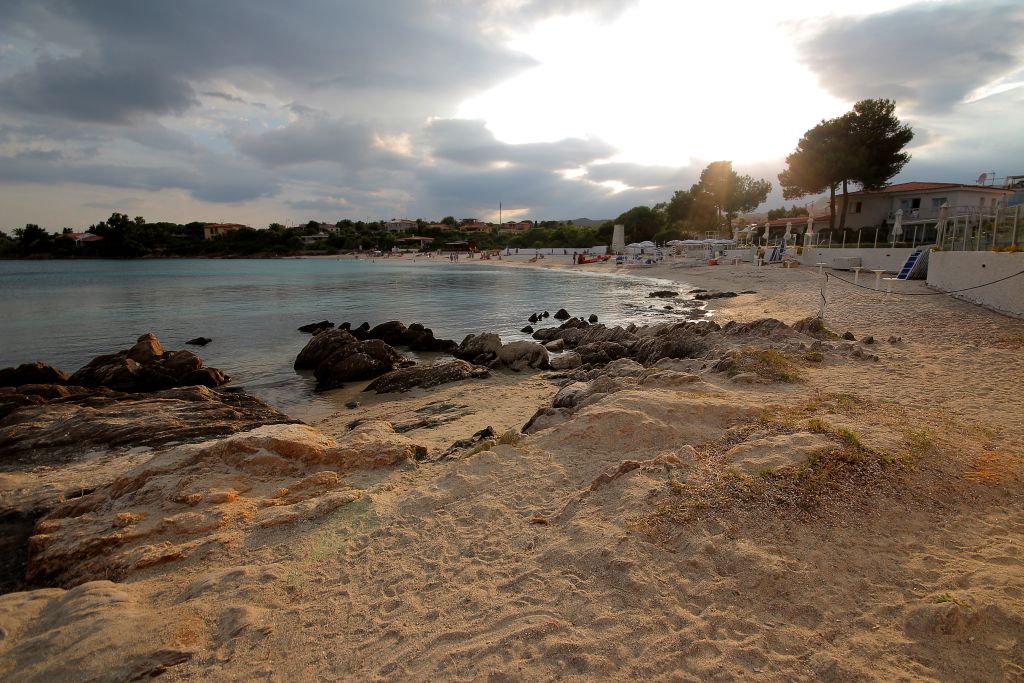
point(663, 294)
point(337, 357)
point(748, 291)
point(313, 328)
point(345, 326)
point(527, 330)
point(147, 367)
point(352, 405)
point(894, 339)
point(533, 318)
point(420, 338)
point(392, 333)
point(668, 308)
point(697, 291)
point(573, 324)
point(32, 373)
point(848, 336)
point(479, 349)
point(427, 376)
point(355, 362)
point(562, 314)
point(706, 296)
point(320, 348)
point(361, 331)
point(868, 340)
point(199, 341)
point(592, 318)
point(546, 315)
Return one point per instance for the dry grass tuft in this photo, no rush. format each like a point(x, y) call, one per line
point(510, 438)
point(769, 364)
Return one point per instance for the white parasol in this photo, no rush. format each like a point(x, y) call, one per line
point(897, 226)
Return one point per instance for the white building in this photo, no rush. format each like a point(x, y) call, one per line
point(400, 225)
point(920, 202)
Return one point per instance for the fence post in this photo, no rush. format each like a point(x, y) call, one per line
point(995, 227)
point(876, 237)
point(1016, 215)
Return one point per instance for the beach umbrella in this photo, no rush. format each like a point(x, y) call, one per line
point(766, 231)
point(789, 232)
point(897, 226)
point(940, 226)
point(810, 226)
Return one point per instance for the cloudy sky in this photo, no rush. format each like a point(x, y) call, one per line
point(261, 111)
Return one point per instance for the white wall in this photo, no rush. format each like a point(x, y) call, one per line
point(890, 260)
point(954, 270)
point(556, 251)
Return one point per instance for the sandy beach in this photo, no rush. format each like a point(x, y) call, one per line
point(862, 520)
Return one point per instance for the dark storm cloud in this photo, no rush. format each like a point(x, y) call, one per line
point(927, 56)
point(213, 181)
point(143, 57)
point(348, 143)
point(82, 90)
point(469, 142)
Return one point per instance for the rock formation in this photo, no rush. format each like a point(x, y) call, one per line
point(147, 367)
point(425, 376)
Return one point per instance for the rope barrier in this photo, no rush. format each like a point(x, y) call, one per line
point(953, 291)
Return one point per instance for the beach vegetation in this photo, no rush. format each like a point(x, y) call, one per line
point(512, 437)
point(480, 447)
point(769, 364)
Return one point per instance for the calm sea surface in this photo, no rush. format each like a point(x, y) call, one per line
point(67, 312)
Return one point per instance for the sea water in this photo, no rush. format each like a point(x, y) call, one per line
point(67, 312)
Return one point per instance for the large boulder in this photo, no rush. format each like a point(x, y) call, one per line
point(392, 333)
point(420, 338)
point(356, 362)
point(684, 341)
point(63, 422)
point(601, 353)
point(425, 376)
point(523, 354)
point(321, 347)
point(565, 361)
point(479, 349)
point(561, 314)
point(147, 367)
point(31, 373)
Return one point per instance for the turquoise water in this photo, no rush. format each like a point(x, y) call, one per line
point(66, 312)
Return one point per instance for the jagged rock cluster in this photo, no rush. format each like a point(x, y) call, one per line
point(143, 367)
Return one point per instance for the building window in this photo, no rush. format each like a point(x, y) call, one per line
point(855, 207)
point(914, 203)
point(938, 202)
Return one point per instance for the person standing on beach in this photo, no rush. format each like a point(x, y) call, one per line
point(760, 255)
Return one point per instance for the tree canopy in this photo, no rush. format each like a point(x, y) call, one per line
point(730, 193)
point(863, 147)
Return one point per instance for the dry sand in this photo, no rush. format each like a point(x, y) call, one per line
point(658, 535)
